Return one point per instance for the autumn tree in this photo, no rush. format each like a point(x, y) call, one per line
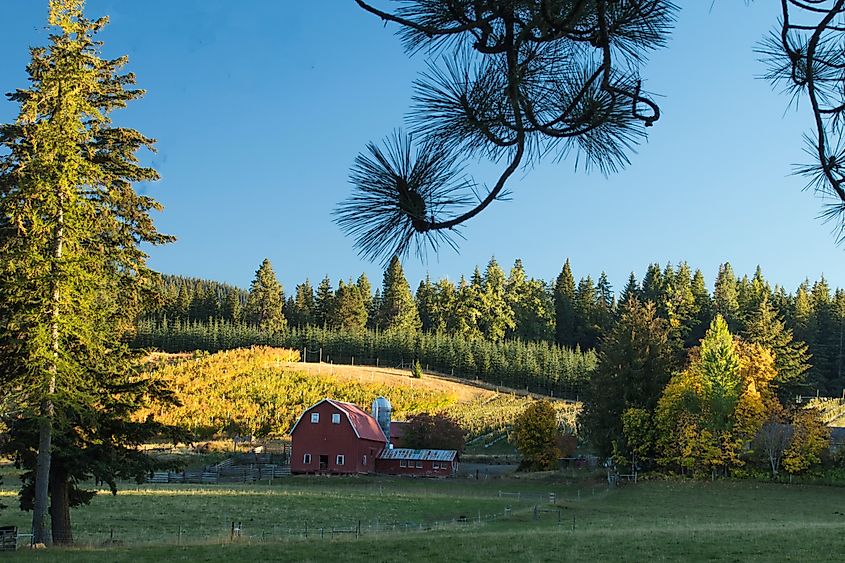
point(639, 440)
point(534, 435)
point(266, 300)
point(72, 275)
point(433, 431)
point(709, 411)
point(810, 437)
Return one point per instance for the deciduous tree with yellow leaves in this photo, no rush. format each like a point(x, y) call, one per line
point(709, 413)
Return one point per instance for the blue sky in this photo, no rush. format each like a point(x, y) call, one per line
point(261, 106)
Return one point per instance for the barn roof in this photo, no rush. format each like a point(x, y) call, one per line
point(421, 455)
point(364, 425)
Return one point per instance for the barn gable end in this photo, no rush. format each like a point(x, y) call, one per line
point(335, 437)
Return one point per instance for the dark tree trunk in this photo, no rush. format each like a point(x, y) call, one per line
point(60, 509)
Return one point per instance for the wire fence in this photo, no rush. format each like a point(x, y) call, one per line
point(518, 508)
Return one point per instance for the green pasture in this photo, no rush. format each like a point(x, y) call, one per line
point(458, 520)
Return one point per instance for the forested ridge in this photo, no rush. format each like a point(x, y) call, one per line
point(491, 319)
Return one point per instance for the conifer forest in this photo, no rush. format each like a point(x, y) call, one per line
point(501, 326)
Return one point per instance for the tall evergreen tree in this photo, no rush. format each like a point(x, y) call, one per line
point(71, 270)
point(702, 307)
point(631, 290)
point(586, 328)
point(726, 296)
point(443, 310)
point(232, 308)
point(680, 304)
point(767, 329)
point(496, 314)
point(825, 339)
point(398, 308)
point(365, 289)
point(652, 286)
point(324, 303)
point(300, 312)
point(634, 364)
point(425, 299)
point(183, 301)
point(604, 304)
point(467, 311)
point(264, 306)
point(374, 312)
point(531, 302)
point(349, 312)
point(802, 312)
point(564, 298)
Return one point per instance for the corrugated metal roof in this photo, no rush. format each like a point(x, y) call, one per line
point(421, 455)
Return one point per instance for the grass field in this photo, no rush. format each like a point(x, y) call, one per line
point(422, 520)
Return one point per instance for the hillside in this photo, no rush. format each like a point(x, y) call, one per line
point(261, 391)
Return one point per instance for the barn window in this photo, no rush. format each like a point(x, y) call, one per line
point(365, 459)
point(403, 463)
point(306, 459)
point(340, 460)
point(315, 417)
point(336, 418)
point(435, 465)
point(419, 465)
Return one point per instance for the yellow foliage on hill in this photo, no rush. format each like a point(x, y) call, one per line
point(261, 391)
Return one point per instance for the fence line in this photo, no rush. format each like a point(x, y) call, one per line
point(527, 508)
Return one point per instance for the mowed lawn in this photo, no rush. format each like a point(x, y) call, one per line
point(414, 520)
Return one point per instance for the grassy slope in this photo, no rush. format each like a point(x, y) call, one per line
point(731, 521)
point(261, 391)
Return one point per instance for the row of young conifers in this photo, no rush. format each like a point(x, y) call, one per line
point(535, 366)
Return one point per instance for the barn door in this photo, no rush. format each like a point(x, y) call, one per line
point(324, 462)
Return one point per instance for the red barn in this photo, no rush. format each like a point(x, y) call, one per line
point(335, 437)
point(429, 463)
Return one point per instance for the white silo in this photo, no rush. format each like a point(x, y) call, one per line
point(381, 412)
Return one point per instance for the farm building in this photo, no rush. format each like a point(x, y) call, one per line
point(430, 463)
point(334, 437)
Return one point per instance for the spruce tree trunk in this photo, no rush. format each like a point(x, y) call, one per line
point(40, 526)
point(60, 509)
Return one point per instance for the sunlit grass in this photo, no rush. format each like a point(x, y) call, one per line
point(419, 519)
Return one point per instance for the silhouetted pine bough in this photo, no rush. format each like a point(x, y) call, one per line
point(509, 81)
point(516, 81)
